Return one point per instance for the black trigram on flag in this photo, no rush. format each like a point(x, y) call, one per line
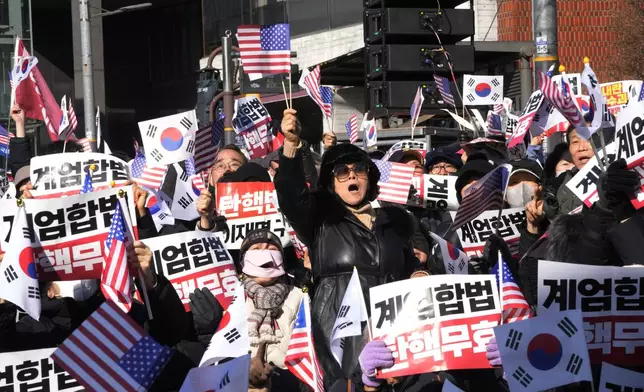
point(185, 201)
point(10, 274)
point(33, 292)
point(224, 381)
point(450, 268)
point(26, 233)
point(162, 215)
point(495, 96)
point(152, 130)
point(567, 327)
point(461, 265)
point(344, 310)
point(345, 324)
point(156, 155)
point(186, 122)
point(471, 82)
point(523, 377)
point(191, 146)
point(232, 335)
point(574, 364)
point(184, 176)
point(495, 82)
point(618, 388)
point(470, 97)
point(342, 343)
point(514, 338)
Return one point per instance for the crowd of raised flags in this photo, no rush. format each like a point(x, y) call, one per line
point(427, 328)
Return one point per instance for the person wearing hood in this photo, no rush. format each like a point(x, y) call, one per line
point(342, 231)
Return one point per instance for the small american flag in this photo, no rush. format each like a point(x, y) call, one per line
point(300, 356)
point(494, 126)
point(498, 108)
point(83, 142)
point(149, 177)
point(641, 98)
point(486, 194)
point(352, 128)
point(207, 143)
point(311, 82)
point(108, 351)
point(195, 177)
point(513, 303)
point(327, 100)
point(115, 278)
point(416, 107)
point(444, 89)
point(563, 103)
point(395, 181)
point(73, 121)
point(5, 137)
point(87, 182)
point(265, 49)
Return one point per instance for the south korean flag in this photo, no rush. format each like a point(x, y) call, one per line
point(352, 313)
point(544, 352)
point(231, 376)
point(482, 90)
point(169, 139)
point(185, 194)
point(231, 340)
point(617, 379)
point(456, 261)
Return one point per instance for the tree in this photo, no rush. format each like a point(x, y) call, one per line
point(628, 27)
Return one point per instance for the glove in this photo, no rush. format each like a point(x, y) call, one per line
point(492, 353)
point(375, 355)
point(614, 188)
point(493, 245)
point(206, 311)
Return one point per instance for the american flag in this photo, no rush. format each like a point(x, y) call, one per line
point(494, 126)
point(115, 278)
point(73, 121)
point(109, 351)
point(563, 103)
point(444, 89)
point(486, 194)
point(498, 108)
point(641, 98)
point(416, 107)
point(87, 182)
point(149, 177)
point(265, 49)
point(5, 136)
point(300, 358)
point(195, 177)
point(513, 303)
point(311, 82)
point(207, 144)
point(352, 128)
point(83, 142)
point(327, 100)
point(395, 181)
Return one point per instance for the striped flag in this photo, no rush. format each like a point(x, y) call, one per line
point(416, 107)
point(327, 100)
point(494, 126)
point(352, 128)
point(564, 104)
point(115, 278)
point(5, 137)
point(146, 176)
point(513, 303)
point(265, 49)
point(109, 351)
point(498, 108)
point(300, 358)
point(395, 181)
point(83, 142)
point(444, 89)
point(485, 194)
point(207, 143)
point(73, 121)
point(310, 81)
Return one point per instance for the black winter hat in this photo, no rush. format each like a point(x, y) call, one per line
point(344, 154)
point(476, 167)
point(259, 236)
point(527, 166)
point(444, 154)
point(560, 152)
point(247, 172)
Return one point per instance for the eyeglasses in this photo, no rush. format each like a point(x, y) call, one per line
point(341, 172)
point(221, 167)
point(445, 167)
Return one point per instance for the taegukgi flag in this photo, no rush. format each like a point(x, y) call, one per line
point(169, 139)
point(482, 90)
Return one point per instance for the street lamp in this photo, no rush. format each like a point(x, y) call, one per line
point(88, 65)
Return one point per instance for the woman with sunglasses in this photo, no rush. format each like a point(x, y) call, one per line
point(342, 231)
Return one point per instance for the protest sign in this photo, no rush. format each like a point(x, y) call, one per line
point(8, 209)
point(417, 145)
point(616, 379)
point(548, 120)
point(573, 80)
point(195, 260)
point(248, 206)
point(529, 112)
point(59, 175)
point(435, 323)
point(252, 122)
point(68, 234)
point(629, 134)
point(612, 303)
point(439, 192)
point(584, 183)
point(474, 233)
point(616, 93)
point(34, 370)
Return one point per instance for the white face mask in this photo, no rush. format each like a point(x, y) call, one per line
point(79, 290)
point(520, 195)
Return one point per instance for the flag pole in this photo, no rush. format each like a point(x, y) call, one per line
point(500, 277)
point(285, 96)
point(290, 90)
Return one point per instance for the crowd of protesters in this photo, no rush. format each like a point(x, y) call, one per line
point(328, 200)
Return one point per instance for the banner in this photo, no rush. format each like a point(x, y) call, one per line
point(525, 121)
point(34, 370)
point(8, 209)
point(60, 175)
point(616, 379)
point(436, 323)
point(616, 93)
point(248, 206)
point(612, 303)
point(252, 122)
point(195, 260)
point(474, 234)
point(629, 136)
point(439, 192)
point(69, 233)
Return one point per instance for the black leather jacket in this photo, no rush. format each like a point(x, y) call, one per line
point(337, 242)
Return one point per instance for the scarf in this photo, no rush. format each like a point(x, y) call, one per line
point(365, 214)
point(268, 306)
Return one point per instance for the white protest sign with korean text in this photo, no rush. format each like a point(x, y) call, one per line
point(34, 370)
point(616, 379)
point(417, 145)
point(572, 79)
point(248, 206)
point(439, 192)
point(474, 234)
point(70, 233)
point(62, 174)
point(251, 121)
point(8, 209)
point(630, 134)
point(616, 94)
point(612, 303)
point(435, 323)
point(529, 112)
point(584, 183)
point(195, 260)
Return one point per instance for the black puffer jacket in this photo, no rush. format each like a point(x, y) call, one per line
point(337, 242)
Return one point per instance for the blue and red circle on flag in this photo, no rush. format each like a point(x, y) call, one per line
point(454, 253)
point(372, 132)
point(153, 205)
point(544, 351)
point(171, 139)
point(483, 89)
point(27, 263)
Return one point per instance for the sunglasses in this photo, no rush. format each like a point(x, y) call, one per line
point(342, 172)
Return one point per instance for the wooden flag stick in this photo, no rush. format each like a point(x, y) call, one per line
point(290, 91)
point(285, 96)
